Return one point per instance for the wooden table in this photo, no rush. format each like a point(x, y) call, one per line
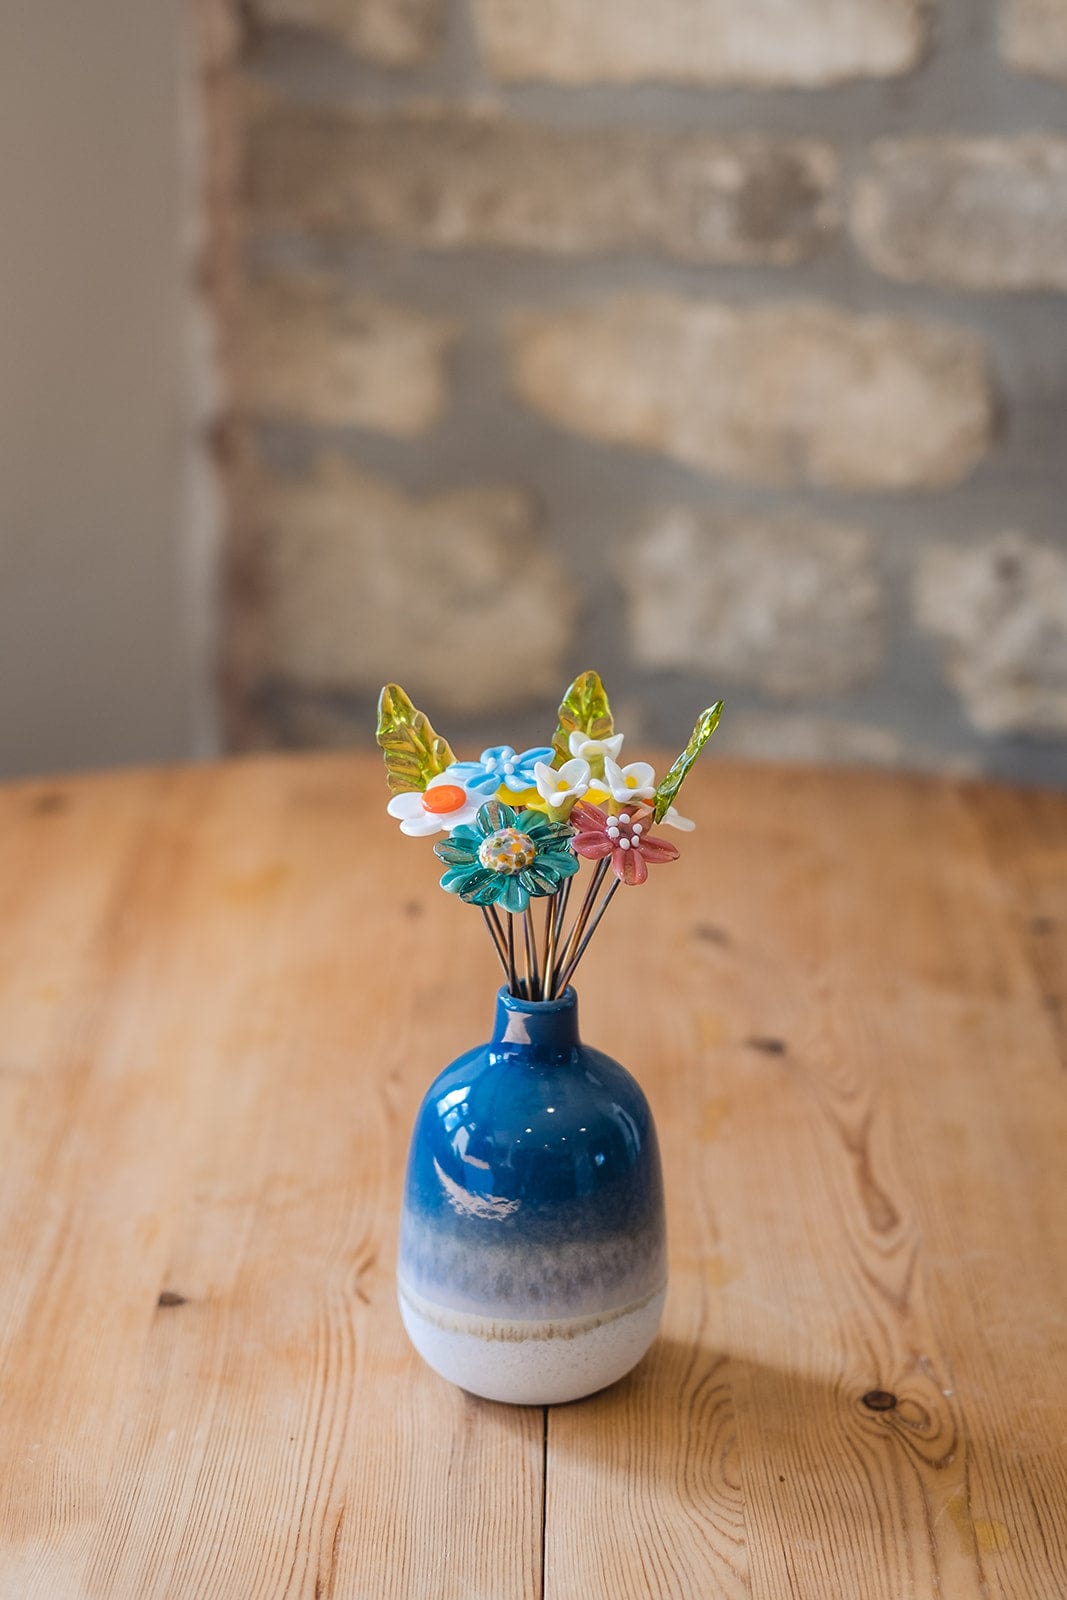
point(222, 992)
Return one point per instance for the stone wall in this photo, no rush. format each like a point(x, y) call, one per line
point(721, 344)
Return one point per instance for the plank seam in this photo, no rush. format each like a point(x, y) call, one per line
point(544, 1496)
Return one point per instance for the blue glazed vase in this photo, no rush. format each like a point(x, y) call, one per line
point(533, 1261)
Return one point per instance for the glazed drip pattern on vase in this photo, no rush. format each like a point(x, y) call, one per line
point(532, 1256)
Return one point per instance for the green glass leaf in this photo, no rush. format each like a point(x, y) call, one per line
point(584, 709)
point(675, 775)
point(413, 752)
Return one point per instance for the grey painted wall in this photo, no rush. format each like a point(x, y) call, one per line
point(98, 643)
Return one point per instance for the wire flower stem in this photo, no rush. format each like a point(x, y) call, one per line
point(552, 936)
point(580, 921)
point(497, 937)
point(513, 976)
point(559, 911)
point(550, 917)
point(580, 952)
point(533, 976)
point(498, 926)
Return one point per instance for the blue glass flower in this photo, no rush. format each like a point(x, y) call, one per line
point(506, 857)
point(499, 767)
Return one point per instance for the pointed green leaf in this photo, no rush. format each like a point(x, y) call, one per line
point(413, 752)
point(584, 709)
point(675, 775)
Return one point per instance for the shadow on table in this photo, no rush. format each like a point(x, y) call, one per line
point(686, 1413)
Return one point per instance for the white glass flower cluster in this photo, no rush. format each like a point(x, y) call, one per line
point(593, 774)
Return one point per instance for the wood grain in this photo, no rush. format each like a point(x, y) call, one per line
point(217, 1025)
point(850, 1048)
point(222, 992)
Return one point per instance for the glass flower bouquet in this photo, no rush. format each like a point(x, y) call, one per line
point(532, 1263)
point(517, 826)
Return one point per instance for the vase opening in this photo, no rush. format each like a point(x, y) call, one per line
point(547, 1026)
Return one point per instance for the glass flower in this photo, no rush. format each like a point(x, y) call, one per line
point(443, 805)
point(559, 787)
point(500, 768)
point(595, 751)
point(506, 857)
point(634, 783)
point(672, 818)
point(624, 838)
point(625, 784)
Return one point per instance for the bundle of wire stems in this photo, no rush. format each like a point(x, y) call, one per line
point(539, 963)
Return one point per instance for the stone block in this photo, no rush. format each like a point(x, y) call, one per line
point(971, 213)
point(457, 595)
point(387, 33)
point(765, 43)
point(782, 394)
point(788, 605)
point(1000, 607)
point(1033, 36)
point(436, 179)
point(308, 348)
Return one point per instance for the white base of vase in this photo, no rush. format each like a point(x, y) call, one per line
point(531, 1363)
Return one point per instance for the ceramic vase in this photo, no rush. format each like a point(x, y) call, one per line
point(532, 1245)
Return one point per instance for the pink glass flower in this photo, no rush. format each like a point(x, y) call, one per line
point(624, 838)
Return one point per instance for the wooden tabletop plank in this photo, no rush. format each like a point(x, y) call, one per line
point(861, 1104)
point(222, 993)
point(222, 1018)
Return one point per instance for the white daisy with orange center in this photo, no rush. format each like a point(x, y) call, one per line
point(443, 805)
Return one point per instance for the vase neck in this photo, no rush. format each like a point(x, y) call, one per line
point(548, 1028)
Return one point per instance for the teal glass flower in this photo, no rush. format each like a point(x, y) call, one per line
point(506, 857)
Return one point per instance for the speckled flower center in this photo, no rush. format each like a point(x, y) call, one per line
point(507, 850)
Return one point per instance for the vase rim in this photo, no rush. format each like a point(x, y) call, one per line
point(540, 1008)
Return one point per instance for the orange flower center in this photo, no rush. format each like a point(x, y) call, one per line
point(442, 798)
